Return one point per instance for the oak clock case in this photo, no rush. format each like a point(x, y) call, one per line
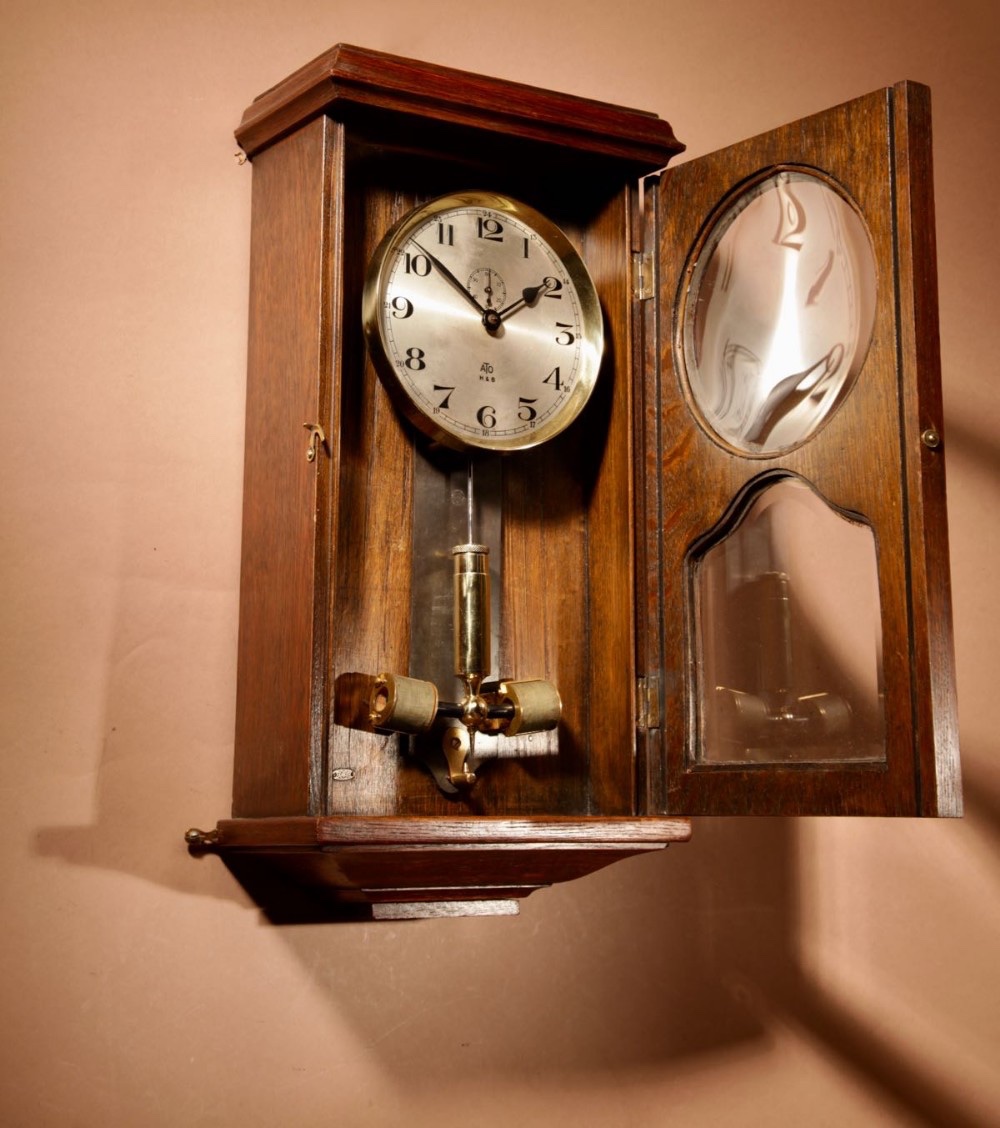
point(617, 538)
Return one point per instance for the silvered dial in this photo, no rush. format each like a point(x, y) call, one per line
point(483, 322)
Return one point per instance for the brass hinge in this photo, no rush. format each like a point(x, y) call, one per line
point(642, 275)
point(648, 702)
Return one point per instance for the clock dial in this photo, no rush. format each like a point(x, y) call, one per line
point(483, 322)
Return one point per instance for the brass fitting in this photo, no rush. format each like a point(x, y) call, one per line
point(402, 704)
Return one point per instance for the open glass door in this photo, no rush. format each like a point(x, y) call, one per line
point(793, 427)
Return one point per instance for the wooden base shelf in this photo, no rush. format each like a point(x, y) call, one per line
point(422, 866)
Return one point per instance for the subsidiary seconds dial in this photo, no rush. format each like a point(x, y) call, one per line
point(483, 322)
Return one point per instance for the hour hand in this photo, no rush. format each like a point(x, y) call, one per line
point(529, 295)
point(445, 273)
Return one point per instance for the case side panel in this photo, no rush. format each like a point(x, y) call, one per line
point(651, 768)
point(936, 720)
point(281, 660)
point(610, 564)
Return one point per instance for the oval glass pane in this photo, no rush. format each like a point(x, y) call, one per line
point(779, 315)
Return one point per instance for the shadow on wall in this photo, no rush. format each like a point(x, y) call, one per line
point(659, 958)
point(692, 952)
point(634, 965)
point(638, 965)
point(978, 447)
point(656, 960)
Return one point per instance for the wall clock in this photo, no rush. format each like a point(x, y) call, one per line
point(581, 495)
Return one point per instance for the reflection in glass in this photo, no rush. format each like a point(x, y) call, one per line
point(788, 630)
point(779, 318)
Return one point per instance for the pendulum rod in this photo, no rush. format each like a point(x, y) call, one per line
point(470, 501)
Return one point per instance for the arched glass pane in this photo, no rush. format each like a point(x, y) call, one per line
point(780, 312)
point(788, 635)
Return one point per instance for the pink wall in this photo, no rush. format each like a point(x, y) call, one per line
point(770, 972)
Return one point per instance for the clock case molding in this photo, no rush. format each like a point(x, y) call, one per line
point(597, 523)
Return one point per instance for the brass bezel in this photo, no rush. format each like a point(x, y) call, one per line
point(591, 318)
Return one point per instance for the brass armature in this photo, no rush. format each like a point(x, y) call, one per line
point(411, 706)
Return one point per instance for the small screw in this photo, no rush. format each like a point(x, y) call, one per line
point(931, 438)
point(199, 839)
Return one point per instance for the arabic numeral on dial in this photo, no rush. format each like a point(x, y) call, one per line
point(565, 337)
point(420, 265)
point(443, 405)
point(446, 234)
point(487, 418)
point(554, 379)
point(527, 243)
point(525, 412)
point(552, 287)
point(401, 307)
point(489, 228)
point(415, 360)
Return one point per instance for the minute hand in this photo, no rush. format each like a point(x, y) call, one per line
point(529, 296)
point(449, 277)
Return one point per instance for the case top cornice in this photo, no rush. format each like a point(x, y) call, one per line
point(346, 80)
